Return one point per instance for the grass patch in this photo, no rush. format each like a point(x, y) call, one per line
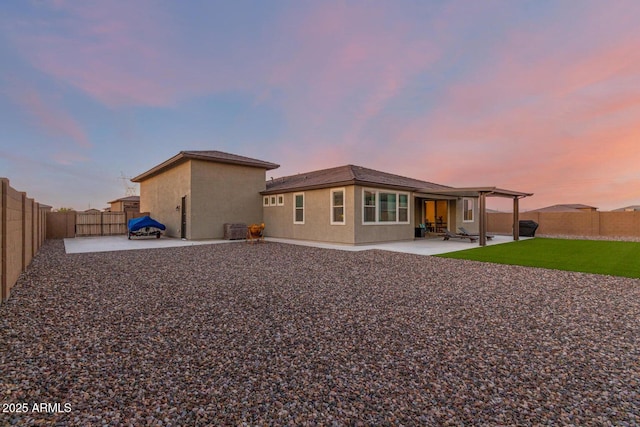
point(587, 256)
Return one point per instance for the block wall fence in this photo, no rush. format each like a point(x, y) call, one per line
point(23, 225)
point(588, 224)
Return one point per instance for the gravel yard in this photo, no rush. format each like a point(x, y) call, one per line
point(282, 334)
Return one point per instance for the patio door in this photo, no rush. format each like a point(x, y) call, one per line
point(437, 215)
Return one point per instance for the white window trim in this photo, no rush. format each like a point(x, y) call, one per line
point(273, 200)
point(473, 210)
point(303, 207)
point(265, 201)
point(344, 210)
point(280, 199)
point(377, 221)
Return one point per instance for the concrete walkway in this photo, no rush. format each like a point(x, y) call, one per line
point(419, 246)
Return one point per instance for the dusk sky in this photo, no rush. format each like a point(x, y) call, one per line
point(533, 96)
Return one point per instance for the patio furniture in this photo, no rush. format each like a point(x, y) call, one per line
point(420, 230)
point(464, 232)
point(255, 233)
point(449, 235)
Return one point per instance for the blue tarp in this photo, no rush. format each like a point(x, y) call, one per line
point(136, 224)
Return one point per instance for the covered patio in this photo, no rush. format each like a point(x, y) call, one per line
point(481, 193)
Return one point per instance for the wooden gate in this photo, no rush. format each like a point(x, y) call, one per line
point(101, 223)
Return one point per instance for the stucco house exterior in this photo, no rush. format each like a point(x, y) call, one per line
point(196, 192)
point(125, 204)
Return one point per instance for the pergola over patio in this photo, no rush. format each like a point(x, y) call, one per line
point(482, 193)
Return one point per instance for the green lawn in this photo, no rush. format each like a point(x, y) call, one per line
point(588, 256)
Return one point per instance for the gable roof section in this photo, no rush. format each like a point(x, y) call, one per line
point(206, 155)
point(575, 207)
point(631, 208)
point(347, 175)
point(126, 199)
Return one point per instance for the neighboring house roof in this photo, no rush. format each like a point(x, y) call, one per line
point(347, 175)
point(628, 209)
point(127, 199)
point(576, 207)
point(208, 155)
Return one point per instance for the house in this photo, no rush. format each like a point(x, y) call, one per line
point(196, 192)
point(632, 208)
point(576, 207)
point(125, 204)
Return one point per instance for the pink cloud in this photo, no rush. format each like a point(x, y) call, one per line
point(52, 119)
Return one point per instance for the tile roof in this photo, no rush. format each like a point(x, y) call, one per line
point(628, 209)
point(347, 175)
point(207, 155)
point(575, 207)
point(126, 199)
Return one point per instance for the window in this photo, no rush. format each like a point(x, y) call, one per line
point(387, 210)
point(467, 210)
point(385, 207)
point(273, 200)
point(369, 211)
point(337, 207)
point(403, 207)
point(298, 208)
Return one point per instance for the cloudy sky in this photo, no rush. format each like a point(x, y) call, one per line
point(534, 96)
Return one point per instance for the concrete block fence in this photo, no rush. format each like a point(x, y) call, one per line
point(22, 232)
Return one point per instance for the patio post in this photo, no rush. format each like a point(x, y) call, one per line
point(483, 219)
point(516, 219)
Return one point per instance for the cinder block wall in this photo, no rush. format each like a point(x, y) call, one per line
point(22, 232)
point(61, 225)
point(605, 224)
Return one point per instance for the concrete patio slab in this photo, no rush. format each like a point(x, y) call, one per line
point(121, 243)
point(432, 246)
point(419, 247)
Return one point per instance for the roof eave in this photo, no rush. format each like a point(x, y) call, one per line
point(307, 187)
point(178, 158)
point(184, 156)
point(339, 184)
point(262, 165)
point(476, 191)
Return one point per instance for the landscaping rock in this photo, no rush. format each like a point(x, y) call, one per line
point(279, 334)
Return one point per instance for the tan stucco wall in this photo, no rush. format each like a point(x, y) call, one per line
point(457, 216)
point(318, 227)
point(317, 222)
point(160, 194)
point(224, 193)
point(373, 233)
point(217, 193)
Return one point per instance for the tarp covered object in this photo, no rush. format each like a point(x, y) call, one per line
point(136, 224)
point(528, 228)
